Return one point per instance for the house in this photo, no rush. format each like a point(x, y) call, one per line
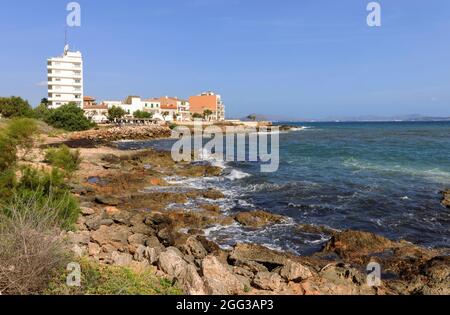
point(208, 101)
point(98, 113)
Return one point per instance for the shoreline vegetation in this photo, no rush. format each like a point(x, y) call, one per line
point(113, 219)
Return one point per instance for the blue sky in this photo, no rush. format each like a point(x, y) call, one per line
point(302, 58)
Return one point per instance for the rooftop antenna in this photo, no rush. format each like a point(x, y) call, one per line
point(66, 45)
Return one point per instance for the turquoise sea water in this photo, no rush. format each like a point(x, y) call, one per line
point(379, 177)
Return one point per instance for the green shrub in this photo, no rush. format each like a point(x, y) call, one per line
point(70, 118)
point(142, 114)
point(21, 131)
point(113, 280)
point(42, 112)
point(15, 107)
point(49, 192)
point(63, 158)
point(115, 113)
point(8, 152)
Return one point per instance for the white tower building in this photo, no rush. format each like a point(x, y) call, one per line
point(65, 79)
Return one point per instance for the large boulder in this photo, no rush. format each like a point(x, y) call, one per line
point(172, 263)
point(294, 271)
point(111, 235)
point(219, 280)
point(268, 281)
point(258, 219)
point(356, 243)
point(258, 253)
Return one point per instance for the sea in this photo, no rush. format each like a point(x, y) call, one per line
point(380, 177)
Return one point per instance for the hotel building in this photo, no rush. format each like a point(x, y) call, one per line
point(65, 79)
point(208, 101)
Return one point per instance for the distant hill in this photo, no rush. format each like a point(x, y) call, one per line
point(362, 118)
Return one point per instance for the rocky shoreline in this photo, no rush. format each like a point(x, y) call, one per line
point(125, 222)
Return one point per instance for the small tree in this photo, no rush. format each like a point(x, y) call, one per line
point(142, 114)
point(14, 107)
point(115, 113)
point(165, 114)
point(70, 118)
point(42, 112)
point(207, 113)
point(251, 117)
point(197, 116)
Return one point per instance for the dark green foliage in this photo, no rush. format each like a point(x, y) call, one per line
point(142, 114)
point(14, 107)
point(115, 113)
point(42, 112)
point(70, 118)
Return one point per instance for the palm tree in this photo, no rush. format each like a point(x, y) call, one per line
point(206, 114)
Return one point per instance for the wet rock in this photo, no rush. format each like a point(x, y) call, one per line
point(268, 281)
point(294, 271)
point(356, 243)
point(446, 198)
point(213, 194)
point(258, 219)
point(210, 207)
point(107, 200)
point(314, 229)
point(219, 280)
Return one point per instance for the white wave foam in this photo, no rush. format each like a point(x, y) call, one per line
point(236, 174)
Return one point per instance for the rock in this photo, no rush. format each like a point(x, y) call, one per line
point(210, 207)
point(355, 243)
point(94, 249)
point(294, 271)
point(341, 279)
point(314, 229)
point(171, 262)
point(258, 219)
point(121, 217)
point(251, 266)
point(437, 273)
point(79, 238)
point(258, 253)
point(113, 235)
point(213, 194)
point(446, 198)
point(138, 239)
point(268, 281)
point(191, 282)
point(219, 280)
point(121, 259)
point(141, 228)
point(107, 200)
point(87, 211)
point(111, 211)
point(195, 248)
point(106, 222)
point(153, 242)
point(78, 251)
